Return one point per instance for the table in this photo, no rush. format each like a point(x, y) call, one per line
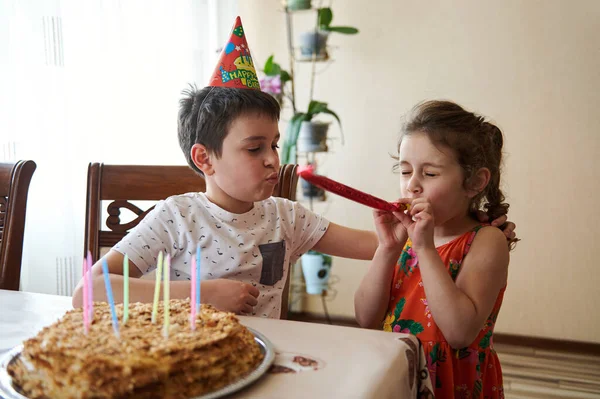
point(329, 361)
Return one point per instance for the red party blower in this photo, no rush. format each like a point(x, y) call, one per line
point(306, 172)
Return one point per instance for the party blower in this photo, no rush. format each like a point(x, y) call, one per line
point(307, 173)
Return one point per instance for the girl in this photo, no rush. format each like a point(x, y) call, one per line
point(450, 270)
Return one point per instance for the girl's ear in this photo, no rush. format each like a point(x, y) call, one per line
point(478, 182)
point(202, 159)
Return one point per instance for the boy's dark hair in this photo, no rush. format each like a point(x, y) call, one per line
point(476, 142)
point(205, 115)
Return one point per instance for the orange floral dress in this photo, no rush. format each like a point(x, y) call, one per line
point(471, 372)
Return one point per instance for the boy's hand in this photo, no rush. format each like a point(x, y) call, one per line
point(418, 222)
point(509, 228)
point(390, 232)
point(233, 296)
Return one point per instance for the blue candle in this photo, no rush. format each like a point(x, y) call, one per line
point(109, 295)
point(198, 279)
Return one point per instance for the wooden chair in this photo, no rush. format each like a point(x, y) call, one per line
point(14, 186)
point(121, 184)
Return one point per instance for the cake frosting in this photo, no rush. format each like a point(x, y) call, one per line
point(63, 362)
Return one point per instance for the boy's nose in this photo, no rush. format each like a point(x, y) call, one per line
point(272, 159)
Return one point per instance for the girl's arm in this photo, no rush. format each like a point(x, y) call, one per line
point(460, 309)
point(373, 295)
point(347, 243)
point(361, 244)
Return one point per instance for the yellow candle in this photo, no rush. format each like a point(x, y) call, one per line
point(159, 265)
point(167, 280)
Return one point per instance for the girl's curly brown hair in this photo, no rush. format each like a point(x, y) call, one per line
point(476, 142)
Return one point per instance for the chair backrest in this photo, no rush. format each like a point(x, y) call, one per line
point(121, 184)
point(14, 186)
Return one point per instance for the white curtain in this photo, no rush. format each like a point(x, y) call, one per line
point(94, 80)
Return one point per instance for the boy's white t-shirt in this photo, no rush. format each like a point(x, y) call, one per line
point(255, 247)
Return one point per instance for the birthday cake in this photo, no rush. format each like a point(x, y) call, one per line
point(63, 362)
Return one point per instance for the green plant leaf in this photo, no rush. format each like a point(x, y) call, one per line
point(285, 76)
point(319, 107)
point(346, 30)
point(269, 65)
point(325, 17)
point(316, 107)
point(288, 151)
point(330, 112)
point(292, 154)
point(276, 69)
point(271, 68)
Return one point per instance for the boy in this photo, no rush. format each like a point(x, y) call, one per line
point(248, 238)
point(229, 133)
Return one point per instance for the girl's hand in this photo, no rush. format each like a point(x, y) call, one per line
point(390, 231)
point(419, 222)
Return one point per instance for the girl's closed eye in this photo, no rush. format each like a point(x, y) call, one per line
point(254, 149)
point(275, 146)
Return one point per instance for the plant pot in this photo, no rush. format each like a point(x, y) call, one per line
point(312, 137)
point(316, 269)
point(312, 191)
point(314, 43)
point(296, 5)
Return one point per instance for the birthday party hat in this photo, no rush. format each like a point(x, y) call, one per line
point(235, 67)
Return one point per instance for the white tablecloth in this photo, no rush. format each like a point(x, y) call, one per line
point(313, 360)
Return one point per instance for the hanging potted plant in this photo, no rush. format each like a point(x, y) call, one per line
point(315, 43)
point(297, 5)
point(305, 135)
point(316, 268)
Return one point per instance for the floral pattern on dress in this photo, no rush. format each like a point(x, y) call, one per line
point(470, 372)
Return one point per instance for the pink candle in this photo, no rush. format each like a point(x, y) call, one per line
point(193, 295)
point(86, 314)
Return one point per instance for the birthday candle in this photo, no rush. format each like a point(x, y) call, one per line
point(198, 278)
point(193, 296)
point(157, 286)
point(167, 280)
point(111, 300)
point(125, 289)
point(90, 288)
point(86, 314)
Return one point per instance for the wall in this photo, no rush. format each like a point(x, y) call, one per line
point(534, 68)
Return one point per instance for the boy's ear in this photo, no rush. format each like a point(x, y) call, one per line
point(202, 159)
point(478, 182)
